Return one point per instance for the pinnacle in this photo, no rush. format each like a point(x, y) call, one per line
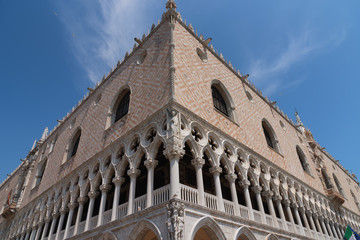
point(171, 4)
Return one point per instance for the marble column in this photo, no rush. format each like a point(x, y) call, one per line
point(323, 226)
point(215, 171)
point(47, 220)
point(27, 236)
point(309, 214)
point(245, 186)
point(33, 233)
point(104, 188)
point(150, 165)
point(298, 219)
point(133, 173)
point(38, 232)
point(277, 200)
point(288, 211)
point(81, 201)
point(92, 195)
point(257, 190)
point(326, 221)
point(334, 231)
point(118, 181)
point(302, 213)
point(268, 196)
point(317, 222)
point(53, 223)
point(231, 178)
point(198, 163)
point(71, 206)
point(173, 153)
point(61, 221)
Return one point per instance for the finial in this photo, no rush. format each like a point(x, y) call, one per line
point(44, 135)
point(34, 144)
point(170, 4)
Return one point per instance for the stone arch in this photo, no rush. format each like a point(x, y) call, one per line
point(141, 229)
point(114, 104)
point(271, 237)
point(244, 233)
point(210, 226)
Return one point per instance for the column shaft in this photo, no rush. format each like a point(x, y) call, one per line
point(68, 222)
point(45, 230)
point(198, 163)
point(231, 178)
point(248, 200)
point(92, 196)
point(38, 232)
point(133, 173)
point(81, 201)
point(215, 171)
point(115, 209)
point(104, 190)
point(53, 223)
point(61, 221)
point(174, 177)
point(150, 165)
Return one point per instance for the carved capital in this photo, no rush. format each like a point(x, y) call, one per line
point(82, 200)
point(244, 183)
point(104, 188)
point(63, 210)
point(256, 189)
point(286, 202)
point(118, 180)
point(215, 170)
point(294, 205)
point(267, 194)
point(231, 177)
point(198, 162)
point(150, 164)
point(277, 198)
point(93, 194)
point(174, 152)
point(133, 172)
point(72, 205)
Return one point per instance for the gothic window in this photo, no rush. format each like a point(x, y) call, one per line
point(74, 144)
point(40, 172)
point(326, 179)
point(340, 189)
point(122, 107)
point(270, 136)
point(219, 102)
point(301, 156)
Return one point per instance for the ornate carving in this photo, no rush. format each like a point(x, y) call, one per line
point(150, 163)
point(198, 162)
point(174, 149)
point(175, 220)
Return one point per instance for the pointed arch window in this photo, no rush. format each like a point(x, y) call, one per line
point(326, 179)
point(40, 172)
point(338, 185)
point(74, 144)
point(219, 102)
point(122, 107)
point(270, 136)
point(303, 161)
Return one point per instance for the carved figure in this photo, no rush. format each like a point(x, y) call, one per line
point(175, 220)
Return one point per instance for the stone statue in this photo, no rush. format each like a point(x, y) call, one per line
point(175, 220)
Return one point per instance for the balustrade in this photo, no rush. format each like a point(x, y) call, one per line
point(229, 207)
point(210, 201)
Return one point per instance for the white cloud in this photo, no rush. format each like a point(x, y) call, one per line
point(298, 49)
point(103, 30)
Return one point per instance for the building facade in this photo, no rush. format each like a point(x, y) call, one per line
point(174, 143)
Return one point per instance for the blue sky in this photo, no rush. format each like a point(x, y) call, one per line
point(303, 54)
